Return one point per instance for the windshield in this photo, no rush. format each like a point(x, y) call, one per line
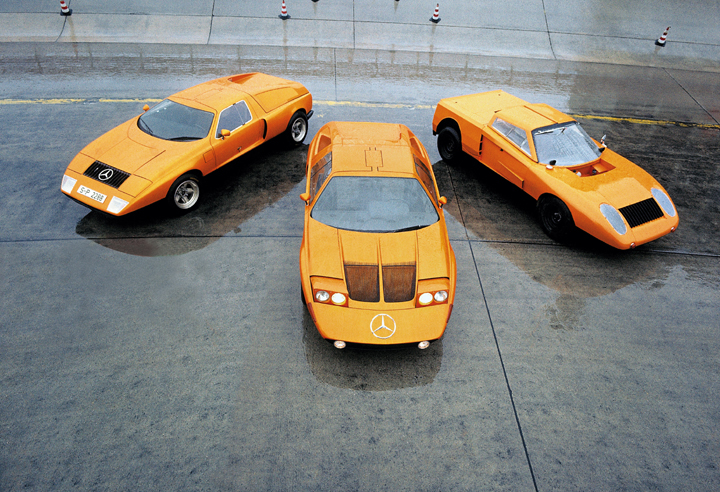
point(567, 144)
point(172, 121)
point(374, 204)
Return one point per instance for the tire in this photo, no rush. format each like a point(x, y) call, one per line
point(555, 217)
point(184, 194)
point(449, 145)
point(297, 128)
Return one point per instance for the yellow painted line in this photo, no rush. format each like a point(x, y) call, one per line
point(373, 105)
point(640, 121)
point(354, 104)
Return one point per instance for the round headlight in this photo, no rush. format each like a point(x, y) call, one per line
point(664, 201)
point(613, 216)
point(322, 296)
point(425, 298)
point(339, 344)
point(338, 298)
point(423, 345)
point(441, 296)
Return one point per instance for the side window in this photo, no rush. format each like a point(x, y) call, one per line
point(319, 173)
point(233, 117)
point(515, 134)
point(424, 174)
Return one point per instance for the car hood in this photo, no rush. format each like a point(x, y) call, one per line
point(125, 148)
point(624, 184)
point(332, 250)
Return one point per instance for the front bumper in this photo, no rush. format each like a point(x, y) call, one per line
point(380, 326)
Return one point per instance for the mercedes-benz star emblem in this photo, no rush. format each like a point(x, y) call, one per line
point(383, 326)
point(105, 174)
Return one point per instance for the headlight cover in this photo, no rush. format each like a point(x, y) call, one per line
point(68, 183)
point(116, 205)
point(613, 216)
point(664, 201)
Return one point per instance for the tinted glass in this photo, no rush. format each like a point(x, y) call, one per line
point(516, 135)
point(374, 204)
point(319, 173)
point(424, 174)
point(233, 117)
point(173, 121)
point(567, 144)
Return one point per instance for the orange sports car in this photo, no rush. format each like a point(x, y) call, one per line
point(164, 153)
point(576, 181)
point(376, 263)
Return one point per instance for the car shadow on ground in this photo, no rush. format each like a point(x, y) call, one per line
point(369, 369)
point(503, 217)
point(230, 196)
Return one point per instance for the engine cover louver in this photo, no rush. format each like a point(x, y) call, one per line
point(363, 282)
point(109, 175)
point(398, 283)
point(641, 212)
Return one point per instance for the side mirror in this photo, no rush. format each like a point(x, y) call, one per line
point(146, 107)
point(443, 201)
point(224, 133)
point(305, 197)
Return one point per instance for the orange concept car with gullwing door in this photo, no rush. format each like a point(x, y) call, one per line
point(163, 153)
point(376, 263)
point(576, 181)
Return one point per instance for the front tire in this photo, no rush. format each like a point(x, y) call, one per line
point(555, 217)
point(449, 145)
point(184, 194)
point(297, 128)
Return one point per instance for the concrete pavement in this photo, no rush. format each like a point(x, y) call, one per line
point(573, 30)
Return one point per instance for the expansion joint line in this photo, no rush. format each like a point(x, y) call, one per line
point(691, 96)
point(502, 365)
point(212, 18)
point(547, 30)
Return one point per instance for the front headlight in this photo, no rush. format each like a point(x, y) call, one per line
point(613, 216)
point(664, 201)
point(68, 183)
point(432, 292)
point(116, 205)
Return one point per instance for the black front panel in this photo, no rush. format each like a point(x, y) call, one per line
point(106, 174)
point(641, 212)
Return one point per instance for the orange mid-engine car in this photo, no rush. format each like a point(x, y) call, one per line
point(376, 263)
point(575, 180)
point(163, 153)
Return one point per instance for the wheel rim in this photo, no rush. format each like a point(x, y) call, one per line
point(298, 129)
point(187, 194)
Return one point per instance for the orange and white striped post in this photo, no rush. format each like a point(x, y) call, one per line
point(661, 40)
point(436, 16)
point(64, 10)
point(283, 11)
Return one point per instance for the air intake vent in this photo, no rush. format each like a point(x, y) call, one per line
point(398, 282)
point(363, 282)
point(641, 212)
point(106, 174)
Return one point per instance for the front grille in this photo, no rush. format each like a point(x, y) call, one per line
point(109, 175)
point(363, 282)
point(398, 282)
point(641, 212)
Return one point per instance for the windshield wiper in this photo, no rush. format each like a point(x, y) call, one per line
point(411, 228)
point(182, 139)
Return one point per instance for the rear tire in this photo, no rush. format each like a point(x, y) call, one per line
point(184, 193)
point(555, 217)
point(297, 128)
point(449, 145)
